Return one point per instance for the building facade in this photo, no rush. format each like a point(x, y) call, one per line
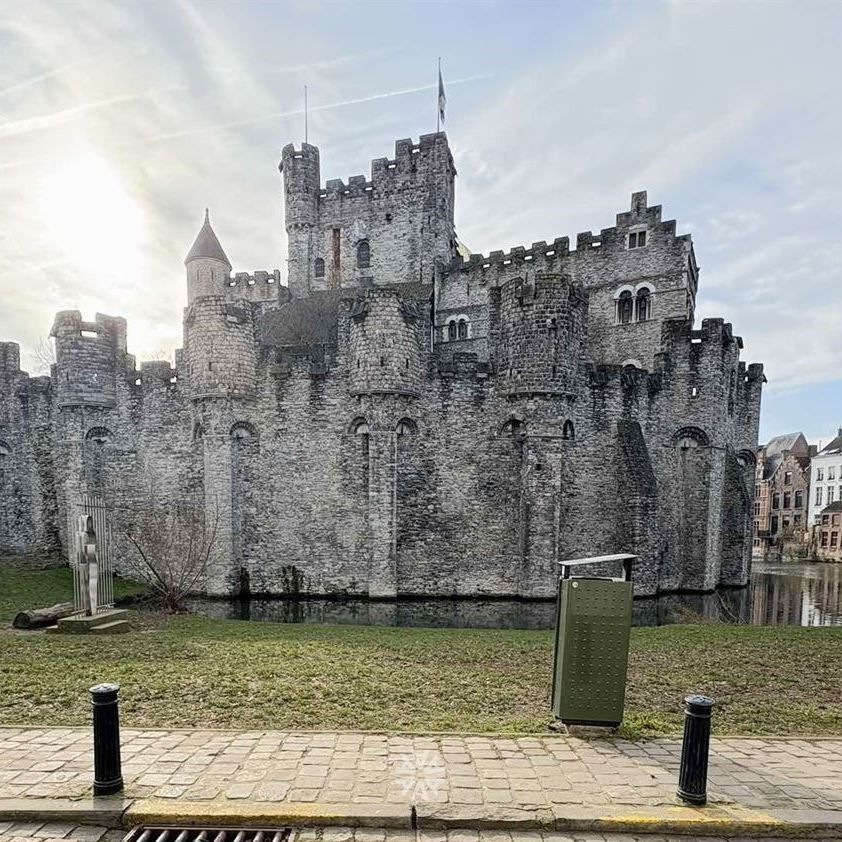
point(826, 478)
point(827, 533)
point(404, 418)
point(781, 498)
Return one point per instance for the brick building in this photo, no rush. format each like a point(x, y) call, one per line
point(403, 418)
point(781, 498)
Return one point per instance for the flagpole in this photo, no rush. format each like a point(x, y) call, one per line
point(438, 107)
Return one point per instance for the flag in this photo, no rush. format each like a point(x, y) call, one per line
point(442, 97)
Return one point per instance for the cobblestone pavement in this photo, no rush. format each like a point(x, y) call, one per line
point(354, 768)
point(34, 832)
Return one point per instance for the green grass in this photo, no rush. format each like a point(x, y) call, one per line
point(22, 588)
point(191, 671)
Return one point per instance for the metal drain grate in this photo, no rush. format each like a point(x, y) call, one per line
point(207, 834)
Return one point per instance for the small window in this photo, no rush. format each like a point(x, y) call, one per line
point(568, 433)
point(796, 519)
point(452, 331)
point(642, 305)
point(462, 329)
point(776, 500)
point(830, 491)
point(831, 472)
point(406, 427)
point(774, 529)
point(624, 308)
point(834, 538)
point(320, 267)
point(799, 499)
point(824, 539)
point(825, 520)
point(637, 239)
point(360, 427)
point(819, 473)
point(785, 523)
point(787, 500)
point(363, 255)
point(835, 520)
point(819, 496)
point(788, 478)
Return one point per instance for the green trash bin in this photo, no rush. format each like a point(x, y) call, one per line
point(593, 623)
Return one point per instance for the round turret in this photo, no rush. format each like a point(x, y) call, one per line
point(542, 328)
point(208, 267)
point(385, 337)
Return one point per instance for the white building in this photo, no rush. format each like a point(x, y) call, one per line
point(825, 478)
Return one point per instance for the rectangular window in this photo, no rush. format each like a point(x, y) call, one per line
point(796, 519)
point(788, 478)
point(835, 520)
point(757, 508)
point(824, 539)
point(785, 523)
point(776, 500)
point(830, 490)
point(799, 500)
point(774, 529)
point(825, 520)
point(818, 495)
point(831, 472)
point(834, 539)
point(787, 500)
point(756, 490)
point(637, 239)
point(819, 474)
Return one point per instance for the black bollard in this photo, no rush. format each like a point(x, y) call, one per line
point(108, 774)
point(693, 774)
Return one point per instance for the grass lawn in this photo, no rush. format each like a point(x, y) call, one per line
point(191, 671)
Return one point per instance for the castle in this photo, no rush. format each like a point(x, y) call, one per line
point(403, 417)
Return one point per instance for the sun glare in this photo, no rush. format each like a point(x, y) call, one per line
point(94, 221)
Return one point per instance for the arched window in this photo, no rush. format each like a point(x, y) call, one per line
point(513, 427)
point(406, 427)
point(462, 330)
point(567, 431)
point(320, 267)
point(642, 305)
point(688, 438)
point(359, 427)
point(243, 431)
point(99, 435)
point(198, 431)
point(452, 331)
point(624, 308)
point(363, 254)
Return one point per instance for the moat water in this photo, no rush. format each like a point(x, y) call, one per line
point(780, 594)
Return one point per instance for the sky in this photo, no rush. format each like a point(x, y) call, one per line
point(121, 122)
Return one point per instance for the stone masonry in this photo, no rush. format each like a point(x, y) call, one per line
point(403, 417)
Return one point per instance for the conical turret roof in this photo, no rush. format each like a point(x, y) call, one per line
point(207, 245)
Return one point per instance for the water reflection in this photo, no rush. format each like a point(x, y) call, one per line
point(783, 594)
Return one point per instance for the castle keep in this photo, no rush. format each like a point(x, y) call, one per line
point(403, 417)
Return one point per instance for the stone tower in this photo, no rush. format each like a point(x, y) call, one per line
point(219, 339)
point(392, 228)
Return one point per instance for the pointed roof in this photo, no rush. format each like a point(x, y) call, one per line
point(833, 447)
point(207, 245)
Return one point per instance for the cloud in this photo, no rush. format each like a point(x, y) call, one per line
point(728, 119)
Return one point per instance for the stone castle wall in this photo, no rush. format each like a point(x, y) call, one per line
point(345, 444)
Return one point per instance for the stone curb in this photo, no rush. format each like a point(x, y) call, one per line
point(246, 813)
point(711, 821)
point(105, 812)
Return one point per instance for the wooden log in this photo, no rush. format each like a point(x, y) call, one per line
point(37, 618)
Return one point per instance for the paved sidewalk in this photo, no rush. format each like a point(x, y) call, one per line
point(448, 775)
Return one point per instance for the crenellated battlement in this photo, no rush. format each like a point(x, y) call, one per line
point(10, 357)
point(544, 256)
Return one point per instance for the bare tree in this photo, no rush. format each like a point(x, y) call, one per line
point(172, 545)
point(43, 352)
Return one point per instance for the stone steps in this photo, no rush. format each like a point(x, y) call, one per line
point(114, 627)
